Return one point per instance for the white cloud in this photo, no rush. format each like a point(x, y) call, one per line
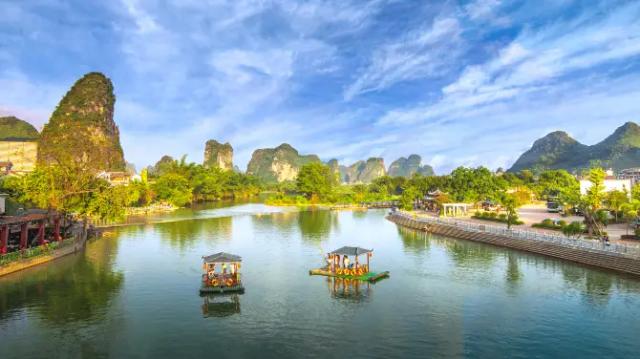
point(423, 53)
point(481, 8)
point(533, 62)
point(27, 99)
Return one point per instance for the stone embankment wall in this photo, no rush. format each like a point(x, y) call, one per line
point(613, 261)
point(75, 244)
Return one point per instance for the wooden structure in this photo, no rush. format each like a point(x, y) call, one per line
point(15, 231)
point(455, 209)
point(221, 274)
point(339, 265)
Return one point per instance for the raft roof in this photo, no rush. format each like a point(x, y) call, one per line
point(222, 257)
point(351, 251)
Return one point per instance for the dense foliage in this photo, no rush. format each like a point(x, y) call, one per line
point(68, 189)
point(81, 129)
point(76, 189)
point(315, 180)
point(178, 182)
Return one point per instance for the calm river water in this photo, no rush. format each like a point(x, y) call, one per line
point(134, 294)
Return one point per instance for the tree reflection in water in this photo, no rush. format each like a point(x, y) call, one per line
point(185, 233)
point(285, 222)
point(414, 241)
point(77, 288)
point(220, 305)
point(317, 224)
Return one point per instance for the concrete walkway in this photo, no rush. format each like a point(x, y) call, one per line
point(536, 213)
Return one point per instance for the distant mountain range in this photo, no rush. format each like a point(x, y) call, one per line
point(558, 150)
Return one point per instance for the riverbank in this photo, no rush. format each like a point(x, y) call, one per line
point(615, 257)
point(151, 209)
point(64, 248)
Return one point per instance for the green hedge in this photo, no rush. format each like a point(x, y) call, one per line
point(549, 224)
point(495, 217)
point(31, 252)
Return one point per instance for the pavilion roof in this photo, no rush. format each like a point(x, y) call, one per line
point(222, 257)
point(31, 217)
point(351, 251)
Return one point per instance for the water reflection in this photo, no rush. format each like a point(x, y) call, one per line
point(218, 305)
point(350, 290)
point(71, 289)
point(513, 274)
point(283, 221)
point(596, 286)
point(317, 224)
point(414, 241)
point(359, 214)
point(183, 234)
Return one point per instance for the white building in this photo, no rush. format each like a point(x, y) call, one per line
point(630, 173)
point(3, 198)
point(609, 185)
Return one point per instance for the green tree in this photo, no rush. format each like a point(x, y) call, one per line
point(409, 195)
point(635, 192)
point(592, 201)
point(554, 183)
point(630, 212)
point(70, 189)
point(615, 200)
point(510, 203)
point(315, 180)
point(474, 185)
point(173, 188)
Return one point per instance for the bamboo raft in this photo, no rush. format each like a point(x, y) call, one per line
point(221, 274)
point(207, 289)
point(371, 277)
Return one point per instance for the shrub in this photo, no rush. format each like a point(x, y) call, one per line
point(573, 229)
point(550, 224)
point(495, 217)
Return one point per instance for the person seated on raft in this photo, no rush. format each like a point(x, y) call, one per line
point(345, 262)
point(329, 261)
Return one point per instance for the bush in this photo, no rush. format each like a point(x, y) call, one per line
point(550, 224)
point(573, 229)
point(495, 217)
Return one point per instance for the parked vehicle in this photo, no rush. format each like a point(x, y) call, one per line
point(554, 207)
point(489, 206)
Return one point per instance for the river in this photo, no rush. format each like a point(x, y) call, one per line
point(134, 294)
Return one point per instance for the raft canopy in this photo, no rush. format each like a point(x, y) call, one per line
point(222, 257)
point(351, 251)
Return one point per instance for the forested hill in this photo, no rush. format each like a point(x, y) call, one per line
point(558, 150)
point(15, 129)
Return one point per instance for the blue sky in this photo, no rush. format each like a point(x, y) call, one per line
point(458, 82)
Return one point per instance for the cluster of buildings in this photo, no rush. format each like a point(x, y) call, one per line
point(622, 181)
point(18, 156)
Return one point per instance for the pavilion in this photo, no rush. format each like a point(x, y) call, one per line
point(19, 228)
point(455, 209)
